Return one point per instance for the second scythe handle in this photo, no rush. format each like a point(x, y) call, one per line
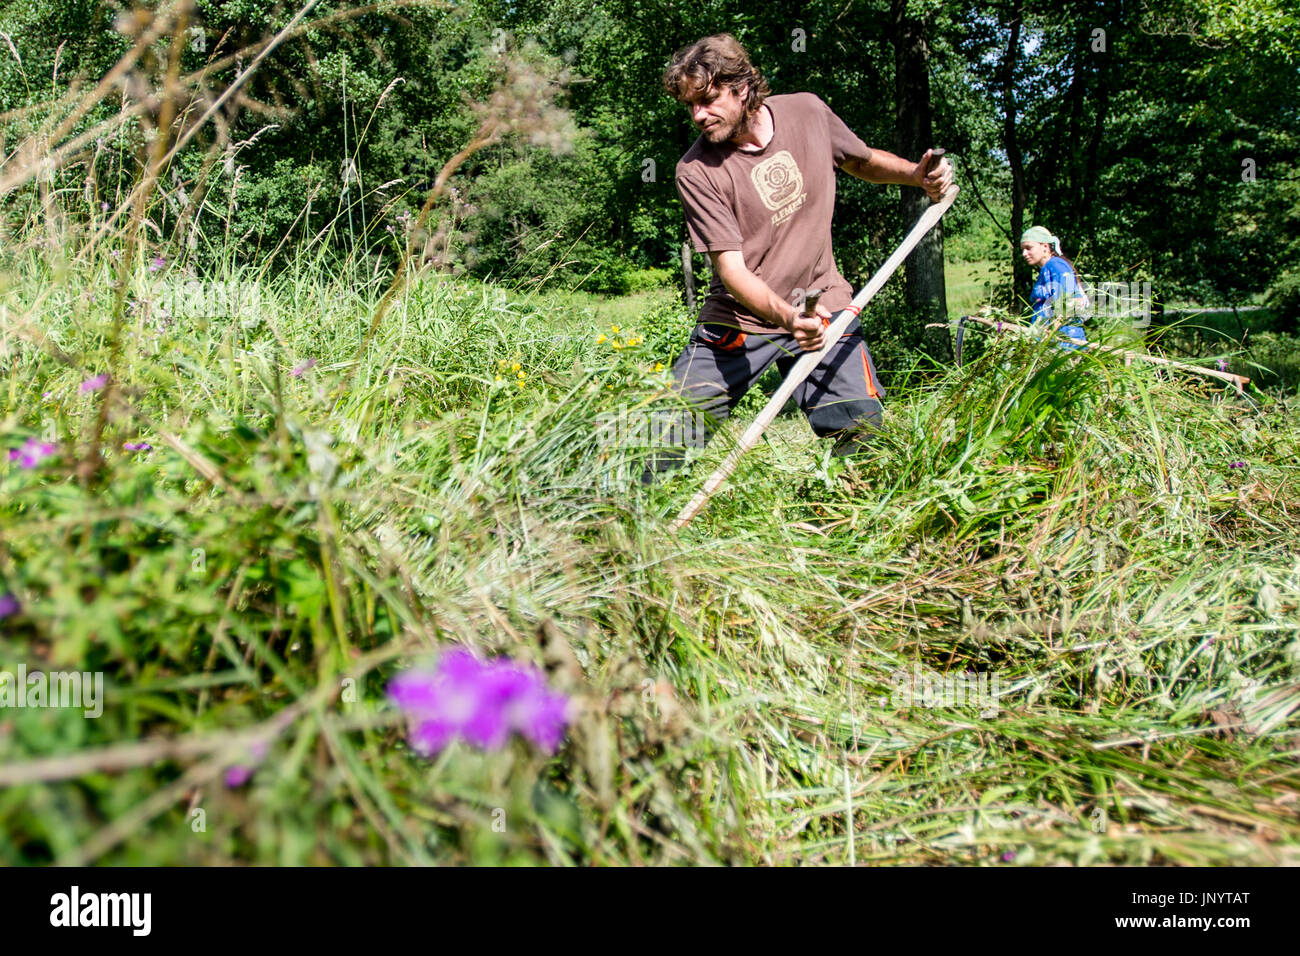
point(810, 360)
point(810, 302)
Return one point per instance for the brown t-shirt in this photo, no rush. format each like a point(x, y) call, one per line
point(774, 205)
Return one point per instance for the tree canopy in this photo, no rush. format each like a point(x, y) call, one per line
point(1156, 142)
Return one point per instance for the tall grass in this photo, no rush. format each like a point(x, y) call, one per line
point(1070, 525)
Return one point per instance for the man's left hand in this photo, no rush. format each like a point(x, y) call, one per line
point(937, 181)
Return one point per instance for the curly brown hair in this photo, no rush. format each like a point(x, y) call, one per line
point(718, 60)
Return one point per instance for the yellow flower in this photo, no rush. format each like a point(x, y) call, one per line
point(501, 364)
point(515, 367)
point(521, 375)
point(614, 329)
point(600, 339)
point(659, 366)
point(500, 379)
point(617, 344)
point(519, 382)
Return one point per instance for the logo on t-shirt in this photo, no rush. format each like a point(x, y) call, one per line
point(779, 184)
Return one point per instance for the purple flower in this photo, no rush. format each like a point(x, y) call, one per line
point(158, 262)
point(46, 394)
point(31, 454)
point(137, 446)
point(241, 773)
point(1235, 464)
point(1223, 365)
point(479, 701)
point(1008, 857)
point(297, 372)
point(96, 383)
point(533, 710)
point(445, 701)
point(8, 605)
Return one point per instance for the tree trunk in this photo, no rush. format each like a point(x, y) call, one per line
point(1055, 175)
point(925, 291)
point(1011, 143)
point(1091, 162)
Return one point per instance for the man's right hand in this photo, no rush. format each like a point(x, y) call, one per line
point(808, 330)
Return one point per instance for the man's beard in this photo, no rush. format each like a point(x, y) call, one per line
point(737, 129)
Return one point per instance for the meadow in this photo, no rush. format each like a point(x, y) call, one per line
point(249, 514)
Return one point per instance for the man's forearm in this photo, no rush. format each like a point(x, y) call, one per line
point(882, 167)
point(755, 294)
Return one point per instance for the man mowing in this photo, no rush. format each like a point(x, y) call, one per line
point(758, 191)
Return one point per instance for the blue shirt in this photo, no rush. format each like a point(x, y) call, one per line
point(1056, 279)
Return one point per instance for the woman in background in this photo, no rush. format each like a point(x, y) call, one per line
point(1057, 290)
